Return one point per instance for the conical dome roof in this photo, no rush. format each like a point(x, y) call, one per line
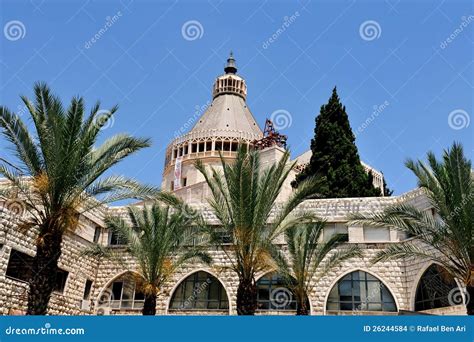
point(228, 111)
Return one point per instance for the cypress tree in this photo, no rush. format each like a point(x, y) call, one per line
point(335, 156)
point(386, 190)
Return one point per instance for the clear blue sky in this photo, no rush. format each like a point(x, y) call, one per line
point(144, 63)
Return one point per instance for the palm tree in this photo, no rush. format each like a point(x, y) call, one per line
point(307, 253)
point(58, 176)
point(161, 240)
point(449, 234)
point(243, 199)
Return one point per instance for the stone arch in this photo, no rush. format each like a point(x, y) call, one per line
point(418, 279)
point(336, 281)
point(190, 273)
point(109, 282)
point(263, 274)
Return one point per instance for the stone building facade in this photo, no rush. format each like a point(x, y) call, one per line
point(93, 284)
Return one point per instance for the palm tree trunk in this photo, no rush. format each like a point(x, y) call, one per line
point(149, 306)
point(44, 270)
point(302, 309)
point(246, 297)
point(470, 300)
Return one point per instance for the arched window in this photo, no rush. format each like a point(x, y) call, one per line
point(123, 294)
point(433, 289)
point(200, 291)
point(360, 291)
point(273, 295)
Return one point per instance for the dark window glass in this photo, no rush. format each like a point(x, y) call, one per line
point(346, 306)
point(273, 295)
point(97, 234)
point(87, 289)
point(360, 291)
point(224, 237)
point(139, 295)
point(19, 265)
point(199, 291)
point(115, 239)
point(117, 290)
point(263, 294)
point(433, 289)
point(123, 294)
point(61, 278)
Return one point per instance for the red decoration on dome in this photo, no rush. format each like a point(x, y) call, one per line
point(270, 137)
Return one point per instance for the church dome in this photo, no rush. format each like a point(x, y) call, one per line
point(228, 110)
point(226, 122)
point(230, 113)
point(230, 83)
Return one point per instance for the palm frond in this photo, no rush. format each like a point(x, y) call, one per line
point(244, 197)
point(447, 237)
point(162, 240)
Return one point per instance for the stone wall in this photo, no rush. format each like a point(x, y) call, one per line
point(13, 293)
point(401, 277)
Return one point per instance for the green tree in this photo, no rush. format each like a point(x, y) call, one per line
point(58, 173)
point(448, 236)
point(386, 190)
point(308, 249)
point(161, 240)
point(335, 156)
point(243, 197)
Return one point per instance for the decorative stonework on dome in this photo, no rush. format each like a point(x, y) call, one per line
point(226, 123)
point(230, 83)
point(228, 110)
